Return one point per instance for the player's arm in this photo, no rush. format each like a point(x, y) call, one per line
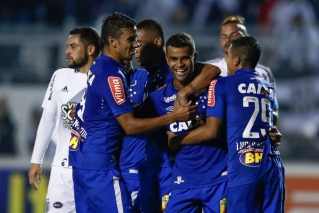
point(206, 73)
point(132, 125)
point(210, 130)
point(44, 134)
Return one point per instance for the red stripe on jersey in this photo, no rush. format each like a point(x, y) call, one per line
point(211, 93)
point(117, 89)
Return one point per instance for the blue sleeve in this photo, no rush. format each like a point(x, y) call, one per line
point(114, 91)
point(216, 104)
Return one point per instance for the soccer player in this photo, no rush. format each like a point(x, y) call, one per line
point(64, 91)
point(199, 173)
point(245, 103)
point(157, 169)
point(133, 146)
point(102, 115)
point(233, 27)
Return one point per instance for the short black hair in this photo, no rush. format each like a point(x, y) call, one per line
point(181, 40)
point(154, 26)
point(89, 36)
point(248, 49)
point(112, 25)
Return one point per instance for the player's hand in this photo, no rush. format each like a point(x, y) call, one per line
point(185, 113)
point(173, 143)
point(275, 136)
point(72, 114)
point(35, 175)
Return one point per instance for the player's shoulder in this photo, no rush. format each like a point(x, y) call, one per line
point(158, 91)
point(139, 72)
point(65, 71)
point(265, 72)
point(214, 61)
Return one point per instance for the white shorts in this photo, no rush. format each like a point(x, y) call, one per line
point(60, 196)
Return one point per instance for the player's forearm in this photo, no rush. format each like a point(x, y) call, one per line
point(138, 126)
point(43, 138)
point(202, 80)
point(196, 136)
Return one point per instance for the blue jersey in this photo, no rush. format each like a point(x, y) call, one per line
point(133, 148)
point(159, 75)
point(195, 165)
point(245, 102)
point(101, 134)
point(156, 148)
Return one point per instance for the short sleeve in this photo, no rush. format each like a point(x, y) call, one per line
point(114, 90)
point(216, 103)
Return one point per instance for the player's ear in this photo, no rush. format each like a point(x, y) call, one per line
point(112, 41)
point(91, 49)
point(195, 56)
point(237, 61)
point(158, 41)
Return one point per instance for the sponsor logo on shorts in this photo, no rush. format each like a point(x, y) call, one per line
point(179, 180)
point(164, 202)
point(57, 205)
point(117, 89)
point(47, 205)
point(251, 157)
point(222, 205)
point(211, 95)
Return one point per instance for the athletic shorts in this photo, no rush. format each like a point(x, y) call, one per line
point(208, 199)
point(267, 194)
point(60, 195)
point(156, 185)
point(100, 191)
point(132, 181)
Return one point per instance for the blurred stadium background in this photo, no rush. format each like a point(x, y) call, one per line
point(33, 35)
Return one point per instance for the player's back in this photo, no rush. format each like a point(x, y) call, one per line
point(249, 106)
point(133, 147)
point(196, 165)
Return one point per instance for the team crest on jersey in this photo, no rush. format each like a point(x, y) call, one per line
point(117, 89)
point(211, 94)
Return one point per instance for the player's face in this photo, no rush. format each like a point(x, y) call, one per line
point(146, 46)
point(76, 52)
point(181, 62)
point(229, 32)
point(127, 44)
point(230, 61)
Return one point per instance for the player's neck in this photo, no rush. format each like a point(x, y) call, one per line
point(86, 67)
point(156, 59)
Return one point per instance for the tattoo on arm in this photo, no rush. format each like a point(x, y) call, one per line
point(179, 98)
point(192, 87)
